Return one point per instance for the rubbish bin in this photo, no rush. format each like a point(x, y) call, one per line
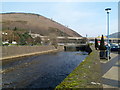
point(102, 54)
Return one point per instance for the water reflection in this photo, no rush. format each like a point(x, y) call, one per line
point(40, 71)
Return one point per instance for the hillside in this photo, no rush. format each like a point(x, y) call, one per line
point(115, 35)
point(36, 24)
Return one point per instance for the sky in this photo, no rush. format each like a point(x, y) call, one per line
point(86, 18)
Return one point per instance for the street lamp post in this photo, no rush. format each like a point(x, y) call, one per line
point(108, 10)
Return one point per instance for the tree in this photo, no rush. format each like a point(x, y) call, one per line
point(37, 40)
point(16, 37)
point(15, 29)
point(102, 46)
point(23, 38)
point(8, 28)
point(30, 41)
point(10, 36)
point(96, 43)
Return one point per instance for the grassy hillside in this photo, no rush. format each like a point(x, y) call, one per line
point(35, 23)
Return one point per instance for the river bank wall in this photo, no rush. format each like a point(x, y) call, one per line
point(85, 48)
point(9, 52)
point(86, 75)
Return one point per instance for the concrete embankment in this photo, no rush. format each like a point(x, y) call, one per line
point(86, 75)
point(83, 47)
point(9, 52)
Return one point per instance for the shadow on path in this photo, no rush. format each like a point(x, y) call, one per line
point(111, 82)
point(106, 66)
point(117, 65)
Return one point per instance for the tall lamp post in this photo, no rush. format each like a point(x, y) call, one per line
point(108, 52)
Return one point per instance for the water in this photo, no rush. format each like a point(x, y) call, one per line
point(41, 71)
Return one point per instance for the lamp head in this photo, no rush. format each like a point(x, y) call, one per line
point(108, 9)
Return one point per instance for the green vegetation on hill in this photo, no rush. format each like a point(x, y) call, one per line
point(22, 37)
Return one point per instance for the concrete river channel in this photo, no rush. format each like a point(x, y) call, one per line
point(40, 71)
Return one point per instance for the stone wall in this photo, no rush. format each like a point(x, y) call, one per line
point(8, 51)
point(85, 74)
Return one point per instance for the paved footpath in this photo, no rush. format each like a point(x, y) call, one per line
point(111, 72)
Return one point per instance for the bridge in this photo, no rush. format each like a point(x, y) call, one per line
point(112, 40)
point(66, 40)
point(74, 40)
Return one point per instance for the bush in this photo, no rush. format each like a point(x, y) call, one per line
point(96, 44)
point(6, 44)
point(102, 46)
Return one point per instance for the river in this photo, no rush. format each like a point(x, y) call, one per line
point(40, 71)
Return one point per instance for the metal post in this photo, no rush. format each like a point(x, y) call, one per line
point(108, 52)
point(108, 34)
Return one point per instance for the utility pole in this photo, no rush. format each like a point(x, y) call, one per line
point(108, 52)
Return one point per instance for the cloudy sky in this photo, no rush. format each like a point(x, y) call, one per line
point(83, 17)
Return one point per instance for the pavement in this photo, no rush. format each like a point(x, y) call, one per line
point(110, 72)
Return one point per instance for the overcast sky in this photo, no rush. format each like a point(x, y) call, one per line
point(83, 17)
